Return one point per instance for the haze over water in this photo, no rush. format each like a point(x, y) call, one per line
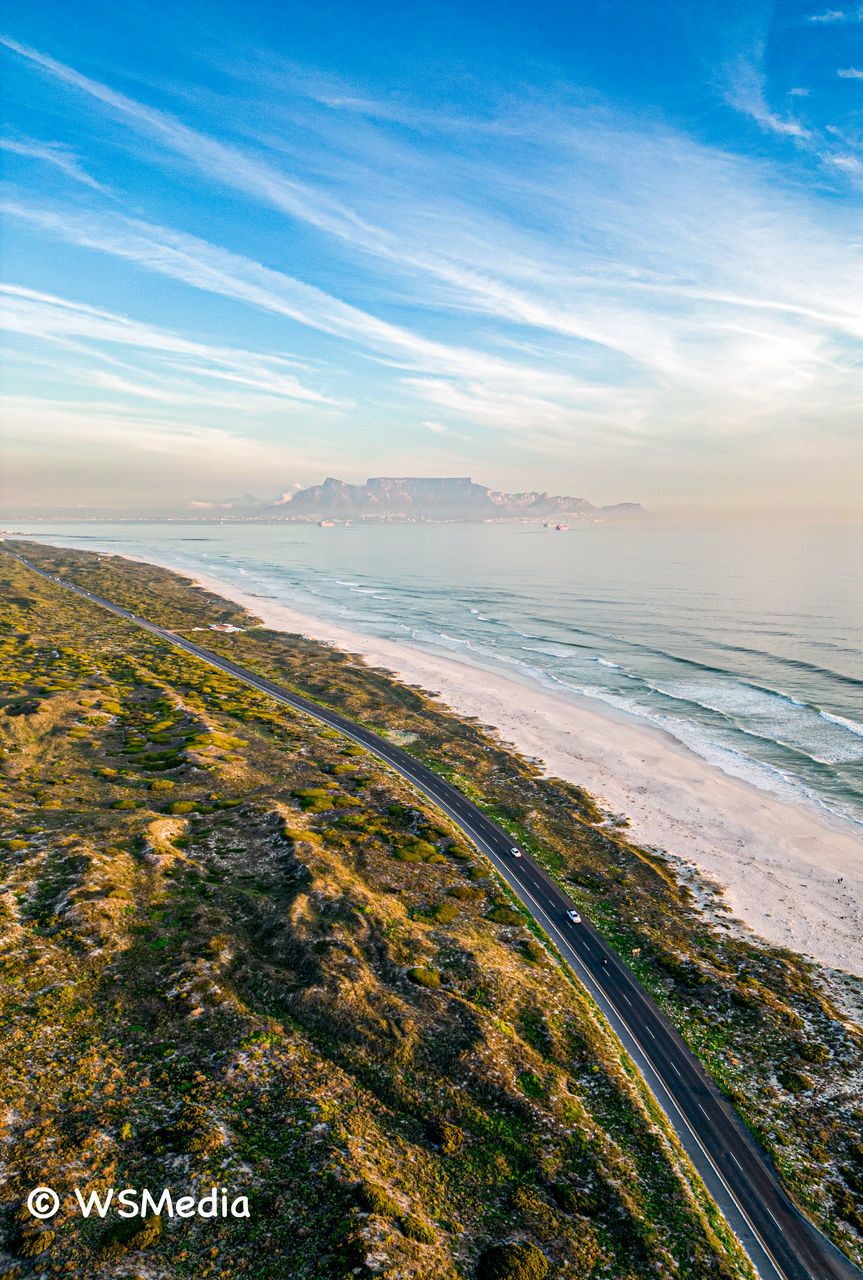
point(745, 644)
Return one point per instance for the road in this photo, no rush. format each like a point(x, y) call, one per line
point(781, 1243)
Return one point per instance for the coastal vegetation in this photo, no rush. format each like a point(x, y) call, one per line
point(237, 950)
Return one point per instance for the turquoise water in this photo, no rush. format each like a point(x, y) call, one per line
point(746, 644)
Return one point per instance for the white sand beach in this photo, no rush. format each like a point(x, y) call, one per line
point(793, 875)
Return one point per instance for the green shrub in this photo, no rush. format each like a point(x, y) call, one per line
point(534, 951)
point(527, 1201)
point(375, 1199)
point(460, 851)
point(517, 1261)
point(407, 855)
point(424, 976)
point(192, 1131)
point(569, 1199)
point(445, 912)
point(299, 833)
point(314, 799)
point(34, 1243)
point(416, 1229)
point(127, 803)
point(813, 1052)
point(124, 1237)
point(505, 915)
point(181, 806)
point(424, 849)
point(465, 893)
point(846, 1205)
point(793, 1081)
point(531, 1084)
point(161, 784)
point(448, 1136)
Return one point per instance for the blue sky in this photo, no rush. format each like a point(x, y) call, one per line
point(611, 249)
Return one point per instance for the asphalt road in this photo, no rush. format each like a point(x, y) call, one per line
point(780, 1241)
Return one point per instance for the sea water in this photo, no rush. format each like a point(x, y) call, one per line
point(744, 643)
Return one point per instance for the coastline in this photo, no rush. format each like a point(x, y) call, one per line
point(790, 874)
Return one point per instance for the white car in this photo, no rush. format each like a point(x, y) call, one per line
point(515, 851)
point(574, 917)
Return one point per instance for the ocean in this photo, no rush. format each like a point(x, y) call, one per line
point(744, 643)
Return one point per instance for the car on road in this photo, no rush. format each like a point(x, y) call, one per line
point(515, 851)
point(574, 917)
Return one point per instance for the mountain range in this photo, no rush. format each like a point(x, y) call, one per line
point(424, 498)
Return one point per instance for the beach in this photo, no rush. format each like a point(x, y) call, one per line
point(791, 874)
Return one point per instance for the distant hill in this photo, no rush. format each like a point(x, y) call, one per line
point(423, 498)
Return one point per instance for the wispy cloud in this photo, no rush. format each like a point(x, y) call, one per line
point(216, 270)
point(55, 153)
point(222, 162)
point(39, 315)
point(839, 15)
point(746, 94)
point(558, 273)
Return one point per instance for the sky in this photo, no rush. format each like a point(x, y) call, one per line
point(612, 249)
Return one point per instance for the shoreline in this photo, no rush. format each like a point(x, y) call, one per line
point(789, 874)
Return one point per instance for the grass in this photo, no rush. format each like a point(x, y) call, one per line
point(249, 942)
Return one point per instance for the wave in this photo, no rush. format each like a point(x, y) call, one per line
point(774, 717)
point(642, 646)
point(765, 776)
point(851, 725)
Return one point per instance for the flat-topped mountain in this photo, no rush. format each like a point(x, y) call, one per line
point(431, 498)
